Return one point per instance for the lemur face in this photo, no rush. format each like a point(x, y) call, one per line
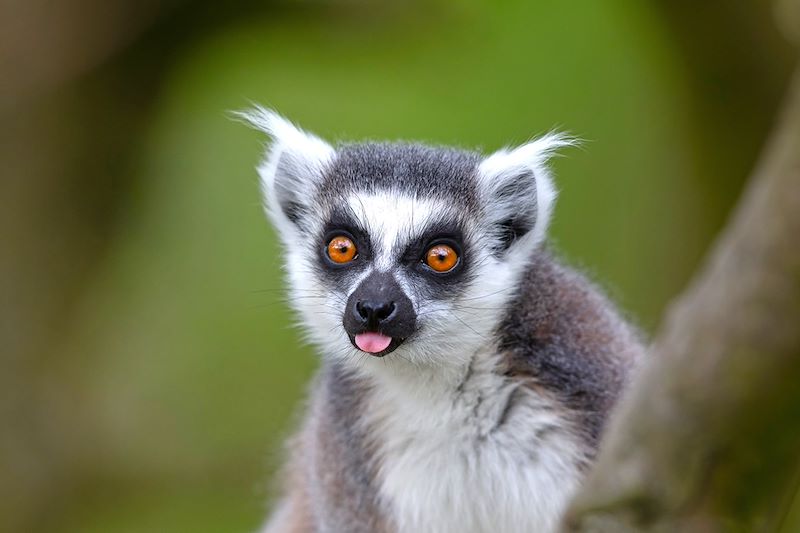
point(402, 250)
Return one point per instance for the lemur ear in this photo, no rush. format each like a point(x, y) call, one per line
point(517, 188)
point(292, 167)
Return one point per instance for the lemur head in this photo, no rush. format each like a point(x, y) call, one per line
point(403, 249)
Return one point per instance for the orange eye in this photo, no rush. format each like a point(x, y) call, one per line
point(341, 249)
point(441, 258)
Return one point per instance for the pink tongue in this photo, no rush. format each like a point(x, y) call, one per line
point(372, 342)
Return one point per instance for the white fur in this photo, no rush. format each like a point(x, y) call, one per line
point(447, 468)
point(389, 217)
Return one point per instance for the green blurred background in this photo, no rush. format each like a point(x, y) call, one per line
point(150, 370)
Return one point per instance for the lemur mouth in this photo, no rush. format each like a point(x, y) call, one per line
point(374, 343)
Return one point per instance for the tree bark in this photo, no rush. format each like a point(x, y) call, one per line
point(708, 438)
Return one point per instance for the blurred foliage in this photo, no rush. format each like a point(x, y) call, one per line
point(173, 379)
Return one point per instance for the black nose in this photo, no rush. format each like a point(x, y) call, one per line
point(379, 304)
point(372, 313)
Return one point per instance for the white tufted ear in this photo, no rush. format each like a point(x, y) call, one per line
point(292, 167)
point(518, 191)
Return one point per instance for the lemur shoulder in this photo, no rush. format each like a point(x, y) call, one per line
point(466, 374)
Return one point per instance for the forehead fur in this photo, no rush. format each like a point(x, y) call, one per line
point(510, 192)
point(412, 170)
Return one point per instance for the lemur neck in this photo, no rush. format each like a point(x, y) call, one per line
point(435, 382)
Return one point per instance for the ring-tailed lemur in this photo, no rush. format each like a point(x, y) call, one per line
point(466, 375)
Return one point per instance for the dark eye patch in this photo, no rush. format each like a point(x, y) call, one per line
point(443, 231)
point(438, 284)
point(343, 223)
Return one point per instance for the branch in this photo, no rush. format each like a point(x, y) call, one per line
point(708, 437)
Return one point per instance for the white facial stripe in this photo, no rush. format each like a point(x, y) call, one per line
point(391, 219)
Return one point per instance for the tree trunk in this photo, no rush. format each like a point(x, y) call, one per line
point(708, 438)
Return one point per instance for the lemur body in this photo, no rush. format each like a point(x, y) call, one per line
point(466, 374)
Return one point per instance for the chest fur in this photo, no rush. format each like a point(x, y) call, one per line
point(489, 454)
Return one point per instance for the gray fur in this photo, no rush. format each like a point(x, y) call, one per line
point(410, 169)
point(565, 335)
point(341, 466)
